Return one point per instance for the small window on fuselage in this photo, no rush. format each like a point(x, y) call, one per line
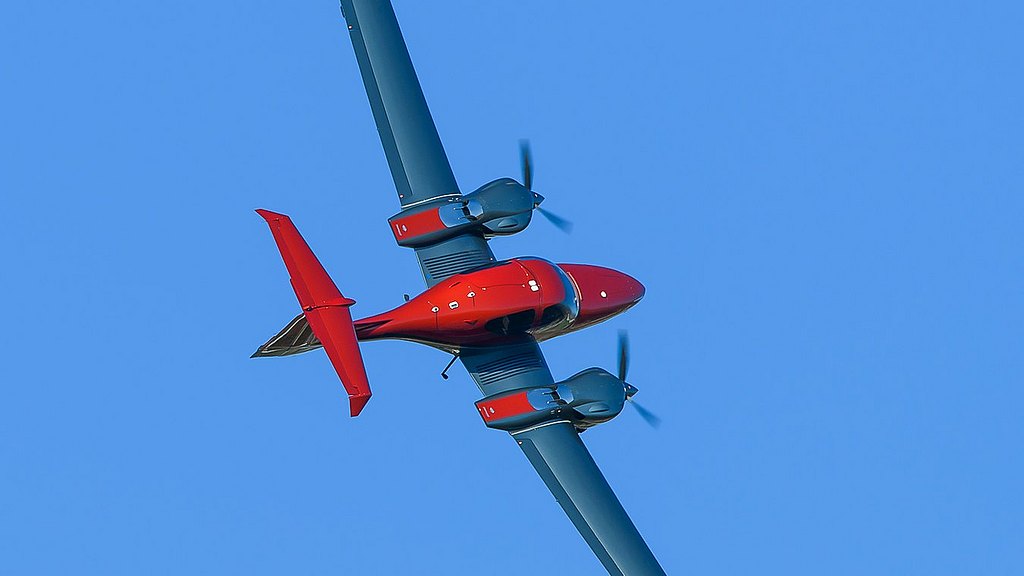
point(511, 324)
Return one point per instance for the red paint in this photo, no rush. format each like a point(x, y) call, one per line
point(333, 326)
point(501, 407)
point(312, 285)
point(324, 306)
point(621, 292)
point(505, 290)
point(465, 303)
point(417, 224)
point(485, 307)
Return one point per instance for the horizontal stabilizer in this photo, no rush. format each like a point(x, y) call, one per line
point(295, 338)
point(324, 307)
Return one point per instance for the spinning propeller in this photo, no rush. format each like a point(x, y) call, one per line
point(644, 413)
point(526, 161)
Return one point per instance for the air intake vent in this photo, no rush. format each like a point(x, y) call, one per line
point(491, 372)
point(440, 267)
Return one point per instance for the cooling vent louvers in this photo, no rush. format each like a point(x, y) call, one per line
point(440, 267)
point(492, 372)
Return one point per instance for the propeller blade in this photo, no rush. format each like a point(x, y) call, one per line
point(559, 222)
point(526, 161)
point(623, 354)
point(646, 414)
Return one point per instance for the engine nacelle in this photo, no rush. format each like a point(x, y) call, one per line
point(498, 208)
point(587, 399)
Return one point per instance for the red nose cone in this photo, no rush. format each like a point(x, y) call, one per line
point(602, 292)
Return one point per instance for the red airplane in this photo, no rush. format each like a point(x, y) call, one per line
point(489, 314)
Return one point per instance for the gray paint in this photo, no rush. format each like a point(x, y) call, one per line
point(494, 371)
point(453, 256)
point(571, 474)
point(420, 169)
point(419, 165)
point(413, 148)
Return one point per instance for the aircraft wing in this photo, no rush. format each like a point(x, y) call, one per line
point(417, 159)
point(563, 461)
point(566, 466)
point(419, 165)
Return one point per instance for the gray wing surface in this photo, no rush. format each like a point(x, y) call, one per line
point(412, 146)
point(563, 461)
point(568, 469)
point(417, 159)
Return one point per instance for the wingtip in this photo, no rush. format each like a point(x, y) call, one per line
point(356, 403)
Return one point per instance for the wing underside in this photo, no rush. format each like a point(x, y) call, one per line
point(567, 468)
point(416, 157)
point(413, 148)
point(563, 461)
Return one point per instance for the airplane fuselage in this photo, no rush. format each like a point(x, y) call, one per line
point(490, 305)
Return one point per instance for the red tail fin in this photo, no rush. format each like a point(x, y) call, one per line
point(324, 307)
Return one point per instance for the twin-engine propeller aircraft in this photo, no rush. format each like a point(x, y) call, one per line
point(489, 314)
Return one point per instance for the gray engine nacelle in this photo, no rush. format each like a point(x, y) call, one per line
point(498, 208)
point(586, 399)
point(594, 396)
point(503, 206)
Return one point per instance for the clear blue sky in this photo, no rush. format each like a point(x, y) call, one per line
point(824, 201)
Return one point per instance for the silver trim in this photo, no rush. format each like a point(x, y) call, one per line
point(553, 422)
point(407, 206)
